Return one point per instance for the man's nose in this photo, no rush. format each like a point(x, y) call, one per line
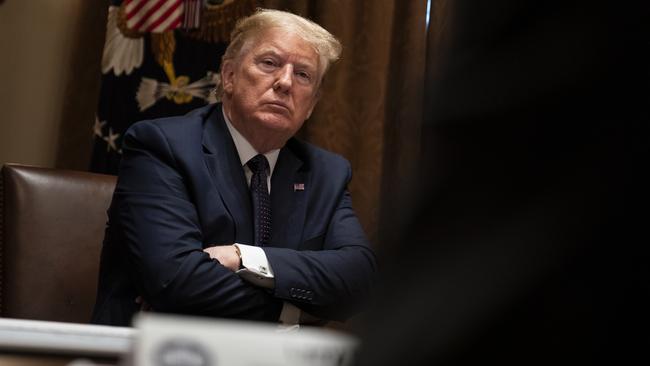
point(284, 78)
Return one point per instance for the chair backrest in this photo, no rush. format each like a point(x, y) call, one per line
point(52, 225)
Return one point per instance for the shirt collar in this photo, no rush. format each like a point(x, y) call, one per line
point(245, 150)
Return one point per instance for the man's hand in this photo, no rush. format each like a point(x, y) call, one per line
point(144, 306)
point(308, 319)
point(227, 255)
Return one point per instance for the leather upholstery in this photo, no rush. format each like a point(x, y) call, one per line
point(52, 229)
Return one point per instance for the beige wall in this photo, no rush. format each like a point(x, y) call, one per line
point(48, 49)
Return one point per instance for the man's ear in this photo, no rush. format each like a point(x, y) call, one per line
point(227, 76)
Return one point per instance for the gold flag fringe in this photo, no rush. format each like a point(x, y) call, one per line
point(217, 21)
point(163, 46)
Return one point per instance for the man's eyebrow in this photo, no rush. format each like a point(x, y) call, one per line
point(273, 52)
point(266, 52)
point(270, 51)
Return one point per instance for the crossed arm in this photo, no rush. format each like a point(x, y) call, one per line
point(174, 272)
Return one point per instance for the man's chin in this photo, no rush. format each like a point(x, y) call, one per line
point(277, 123)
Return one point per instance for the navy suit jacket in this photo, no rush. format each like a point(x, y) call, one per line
point(182, 188)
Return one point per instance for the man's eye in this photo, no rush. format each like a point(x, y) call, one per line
point(304, 76)
point(267, 64)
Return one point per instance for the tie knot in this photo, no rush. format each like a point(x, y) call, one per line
point(258, 164)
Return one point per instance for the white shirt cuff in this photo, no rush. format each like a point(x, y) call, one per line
point(257, 269)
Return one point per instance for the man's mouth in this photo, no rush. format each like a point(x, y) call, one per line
point(279, 105)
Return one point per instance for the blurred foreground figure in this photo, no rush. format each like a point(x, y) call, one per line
point(523, 247)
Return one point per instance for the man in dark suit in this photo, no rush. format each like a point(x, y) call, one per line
point(223, 213)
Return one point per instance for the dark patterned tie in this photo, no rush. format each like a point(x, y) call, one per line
point(261, 200)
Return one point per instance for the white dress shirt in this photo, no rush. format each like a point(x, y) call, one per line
point(257, 269)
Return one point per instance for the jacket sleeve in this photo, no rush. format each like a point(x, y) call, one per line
point(163, 241)
point(333, 282)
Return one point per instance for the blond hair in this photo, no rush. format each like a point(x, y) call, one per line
point(249, 28)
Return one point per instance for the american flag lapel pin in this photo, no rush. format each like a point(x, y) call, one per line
point(298, 187)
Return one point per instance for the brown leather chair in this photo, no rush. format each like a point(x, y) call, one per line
point(52, 225)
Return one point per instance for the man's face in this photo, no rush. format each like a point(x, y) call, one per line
point(272, 88)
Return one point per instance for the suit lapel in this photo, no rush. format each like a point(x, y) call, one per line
point(288, 200)
point(228, 175)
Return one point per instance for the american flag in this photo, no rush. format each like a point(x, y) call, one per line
point(299, 187)
point(160, 15)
